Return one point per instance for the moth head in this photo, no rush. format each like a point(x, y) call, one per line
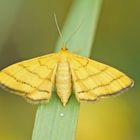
point(64, 49)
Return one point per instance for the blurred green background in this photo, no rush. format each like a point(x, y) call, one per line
point(27, 29)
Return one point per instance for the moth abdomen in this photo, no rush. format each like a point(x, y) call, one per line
point(63, 80)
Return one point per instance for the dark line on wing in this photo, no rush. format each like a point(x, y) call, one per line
point(36, 101)
point(3, 86)
point(110, 94)
point(43, 65)
point(117, 92)
point(23, 82)
point(85, 65)
point(93, 100)
point(103, 85)
point(34, 73)
point(91, 75)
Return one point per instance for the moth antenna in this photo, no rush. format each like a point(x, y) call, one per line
point(74, 32)
point(58, 29)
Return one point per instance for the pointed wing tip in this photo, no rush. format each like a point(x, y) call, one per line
point(119, 91)
point(132, 83)
point(107, 95)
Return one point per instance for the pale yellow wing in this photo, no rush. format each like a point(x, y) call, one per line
point(32, 79)
point(92, 79)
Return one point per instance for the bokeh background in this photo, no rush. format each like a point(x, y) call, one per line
point(27, 29)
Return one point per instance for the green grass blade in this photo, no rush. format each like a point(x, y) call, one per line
point(53, 121)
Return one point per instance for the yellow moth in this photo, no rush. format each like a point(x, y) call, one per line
point(90, 80)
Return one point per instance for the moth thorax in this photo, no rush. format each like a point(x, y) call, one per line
point(63, 80)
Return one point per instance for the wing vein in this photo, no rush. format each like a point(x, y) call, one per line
point(23, 82)
point(103, 85)
point(34, 73)
point(91, 75)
